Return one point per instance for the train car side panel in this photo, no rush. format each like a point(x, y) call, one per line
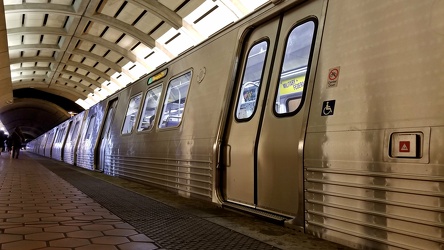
point(50, 141)
point(33, 146)
point(177, 156)
point(41, 146)
point(105, 142)
point(70, 146)
point(90, 132)
point(59, 141)
point(373, 157)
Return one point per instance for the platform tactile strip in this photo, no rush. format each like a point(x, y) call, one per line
point(167, 226)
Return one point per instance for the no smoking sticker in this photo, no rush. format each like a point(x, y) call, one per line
point(333, 77)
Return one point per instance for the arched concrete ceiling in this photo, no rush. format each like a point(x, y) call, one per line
point(74, 48)
point(33, 116)
point(80, 44)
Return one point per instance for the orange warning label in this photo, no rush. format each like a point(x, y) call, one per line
point(404, 146)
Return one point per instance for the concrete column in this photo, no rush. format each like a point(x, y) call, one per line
point(6, 96)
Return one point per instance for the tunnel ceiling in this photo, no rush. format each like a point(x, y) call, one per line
point(84, 50)
point(60, 101)
point(33, 116)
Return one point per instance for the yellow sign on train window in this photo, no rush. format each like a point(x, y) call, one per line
point(292, 85)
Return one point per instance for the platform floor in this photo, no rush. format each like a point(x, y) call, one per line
point(50, 205)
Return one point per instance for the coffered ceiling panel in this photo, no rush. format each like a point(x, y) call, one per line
point(84, 50)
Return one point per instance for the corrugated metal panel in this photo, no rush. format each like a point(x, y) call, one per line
point(73, 137)
point(185, 176)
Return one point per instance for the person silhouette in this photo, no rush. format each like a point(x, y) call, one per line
point(16, 141)
point(2, 141)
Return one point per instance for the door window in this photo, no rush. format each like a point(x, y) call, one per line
point(251, 81)
point(91, 124)
point(109, 116)
point(74, 132)
point(57, 136)
point(294, 71)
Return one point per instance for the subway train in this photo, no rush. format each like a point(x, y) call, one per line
point(323, 115)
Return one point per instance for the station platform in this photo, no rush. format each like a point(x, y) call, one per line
point(49, 205)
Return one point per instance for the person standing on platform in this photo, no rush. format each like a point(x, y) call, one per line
point(2, 140)
point(16, 139)
point(9, 144)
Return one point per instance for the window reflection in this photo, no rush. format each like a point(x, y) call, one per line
point(175, 101)
point(149, 109)
point(294, 68)
point(251, 81)
point(131, 114)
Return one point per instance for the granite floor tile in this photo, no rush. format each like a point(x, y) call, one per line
point(39, 210)
point(44, 236)
point(110, 240)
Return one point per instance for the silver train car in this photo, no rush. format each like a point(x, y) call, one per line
point(308, 112)
point(59, 140)
point(70, 145)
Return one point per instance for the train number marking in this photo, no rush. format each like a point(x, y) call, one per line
point(333, 77)
point(328, 108)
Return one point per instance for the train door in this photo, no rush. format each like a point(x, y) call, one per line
point(50, 142)
point(265, 131)
point(65, 136)
point(105, 145)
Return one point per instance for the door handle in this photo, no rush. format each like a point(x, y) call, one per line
point(227, 155)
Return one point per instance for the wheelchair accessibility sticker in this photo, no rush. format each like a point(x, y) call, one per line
point(328, 108)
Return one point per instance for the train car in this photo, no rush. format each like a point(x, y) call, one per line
point(60, 139)
point(49, 142)
point(373, 167)
point(30, 146)
point(85, 151)
point(308, 112)
point(33, 145)
point(38, 144)
point(42, 144)
point(69, 149)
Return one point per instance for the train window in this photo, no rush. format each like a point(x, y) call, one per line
point(92, 121)
point(293, 74)
point(175, 101)
point(150, 108)
point(74, 132)
point(51, 137)
point(251, 80)
point(56, 140)
point(131, 114)
point(62, 134)
point(59, 135)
